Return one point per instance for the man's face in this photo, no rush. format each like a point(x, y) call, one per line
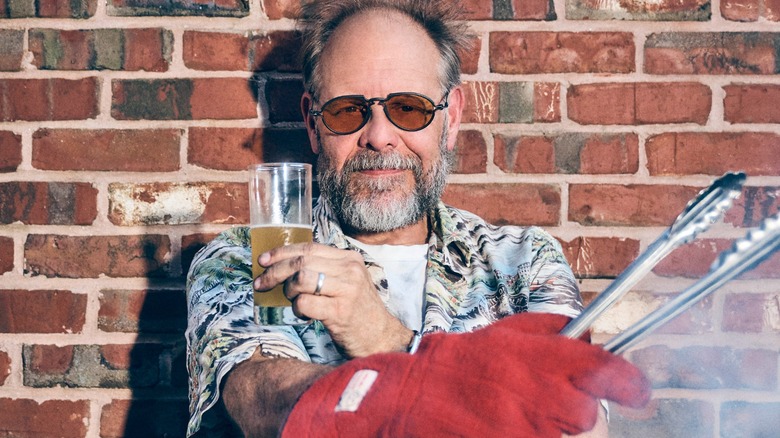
point(382, 178)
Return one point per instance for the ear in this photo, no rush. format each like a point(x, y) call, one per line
point(456, 102)
point(310, 121)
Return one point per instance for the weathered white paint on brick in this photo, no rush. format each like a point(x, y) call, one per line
point(131, 204)
point(628, 310)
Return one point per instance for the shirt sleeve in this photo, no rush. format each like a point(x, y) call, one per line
point(553, 286)
point(221, 331)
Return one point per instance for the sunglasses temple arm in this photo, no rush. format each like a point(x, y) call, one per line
point(707, 208)
point(744, 255)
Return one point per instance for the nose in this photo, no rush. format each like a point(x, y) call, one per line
point(378, 133)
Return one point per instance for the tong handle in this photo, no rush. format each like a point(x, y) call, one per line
point(700, 213)
point(744, 254)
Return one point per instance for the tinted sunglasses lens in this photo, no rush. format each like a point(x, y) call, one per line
point(344, 115)
point(409, 111)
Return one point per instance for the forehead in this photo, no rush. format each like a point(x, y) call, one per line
point(378, 52)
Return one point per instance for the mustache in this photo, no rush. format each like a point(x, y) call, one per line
point(368, 160)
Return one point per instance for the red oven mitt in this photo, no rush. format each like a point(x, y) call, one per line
point(516, 377)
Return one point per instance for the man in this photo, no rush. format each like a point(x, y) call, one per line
point(382, 109)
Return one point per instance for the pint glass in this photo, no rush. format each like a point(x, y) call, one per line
point(280, 214)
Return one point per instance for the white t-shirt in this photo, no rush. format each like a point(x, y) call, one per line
point(404, 266)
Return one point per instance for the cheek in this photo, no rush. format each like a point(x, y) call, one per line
point(337, 150)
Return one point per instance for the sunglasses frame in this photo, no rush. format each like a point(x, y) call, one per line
point(381, 101)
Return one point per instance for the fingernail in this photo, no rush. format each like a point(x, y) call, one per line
point(264, 258)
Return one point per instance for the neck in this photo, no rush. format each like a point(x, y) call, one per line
point(414, 234)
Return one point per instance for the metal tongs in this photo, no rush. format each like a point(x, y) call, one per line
point(707, 208)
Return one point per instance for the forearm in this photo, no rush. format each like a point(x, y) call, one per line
point(259, 393)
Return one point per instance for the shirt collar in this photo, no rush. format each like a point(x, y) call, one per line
point(449, 230)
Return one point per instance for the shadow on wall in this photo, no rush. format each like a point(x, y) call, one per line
point(157, 369)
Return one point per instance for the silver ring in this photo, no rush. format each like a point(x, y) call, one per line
point(320, 281)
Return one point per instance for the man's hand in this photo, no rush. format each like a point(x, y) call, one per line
point(347, 303)
point(517, 377)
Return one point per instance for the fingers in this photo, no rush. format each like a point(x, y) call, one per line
point(300, 265)
point(589, 368)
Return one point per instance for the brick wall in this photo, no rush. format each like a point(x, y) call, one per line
point(125, 126)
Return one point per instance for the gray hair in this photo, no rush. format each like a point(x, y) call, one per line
point(441, 20)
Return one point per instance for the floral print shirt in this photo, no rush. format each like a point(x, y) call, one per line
point(477, 273)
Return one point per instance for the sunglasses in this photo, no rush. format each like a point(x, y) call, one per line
point(408, 111)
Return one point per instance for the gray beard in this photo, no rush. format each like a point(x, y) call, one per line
point(385, 203)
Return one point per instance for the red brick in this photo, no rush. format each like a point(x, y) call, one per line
point(275, 51)
point(713, 153)
point(533, 10)
point(190, 245)
point(164, 203)
point(541, 202)
point(527, 154)
point(5, 367)
point(561, 52)
point(751, 312)
point(11, 49)
point(481, 102)
point(665, 10)
point(93, 366)
point(6, 254)
point(62, 49)
point(216, 51)
point(772, 10)
point(283, 97)
point(41, 203)
point(151, 99)
point(29, 418)
point(711, 53)
point(237, 148)
point(74, 100)
point(708, 367)
point(469, 57)
point(42, 311)
point(610, 153)
point(750, 103)
point(470, 153)
point(639, 103)
point(740, 10)
point(48, 99)
point(477, 9)
point(600, 257)
point(223, 98)
point(696, 320)
point(152, 150)
point(69, 9)
point(547, 102)
point(147, 49)
point(694, 260)
point(27, 99)
point(739, 418)
point(117, 356)
point(664, 418)
point(143, 417)
point(278, 9)
point(627, 205)
point(568, 153)
point(49, 359)
point(142, 311)
point(204, 8)
point(91, 256)
point(10, 151)
point(755, 204)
